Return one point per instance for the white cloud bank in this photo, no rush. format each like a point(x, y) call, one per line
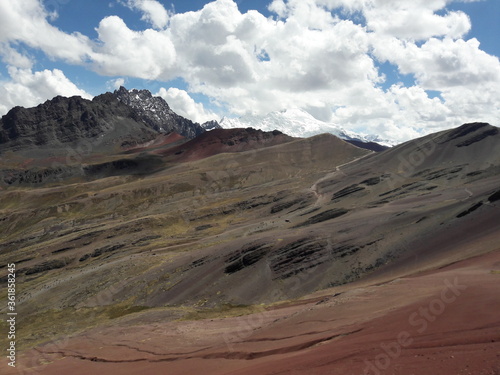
point(28, 89)
point(320, 55)
point(183, 104)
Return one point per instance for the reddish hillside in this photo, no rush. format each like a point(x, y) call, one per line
point(353, 330)
point(225, 140)
point(160, 141)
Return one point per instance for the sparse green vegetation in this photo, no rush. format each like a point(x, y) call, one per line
point(118, 311)
point(222, 311)
point(210, 239)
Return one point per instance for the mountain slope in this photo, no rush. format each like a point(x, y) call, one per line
point(317, 239)
point(106, 124)
point(163, 152)
point(225, 140)
point(297, 191)
point(64, 122)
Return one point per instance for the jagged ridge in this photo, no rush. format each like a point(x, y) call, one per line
point(156, 113)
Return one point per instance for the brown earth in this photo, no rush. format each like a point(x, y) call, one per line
point(441, 321)
point(162, 140)
point(219, 141)
point(232, 263)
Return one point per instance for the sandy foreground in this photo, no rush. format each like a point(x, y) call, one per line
point(443, 321)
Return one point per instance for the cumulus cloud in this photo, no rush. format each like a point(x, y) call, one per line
point(27, 88)
point(146, 54)
point(183, 104)
point(439, 64)
point(13, 57)
point(26, 21)
point(153, 12)
point(473, 104)
point(320, 55)
point(415, 19)
point(114, 84)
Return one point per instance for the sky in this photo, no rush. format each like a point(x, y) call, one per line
point(399, 69)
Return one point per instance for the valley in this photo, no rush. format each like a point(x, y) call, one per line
point(241, 251)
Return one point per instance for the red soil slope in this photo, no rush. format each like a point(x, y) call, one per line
point(224, 140)
point(443, 321)
point(162, 140)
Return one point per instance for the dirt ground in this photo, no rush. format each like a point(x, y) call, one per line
point(443, 321)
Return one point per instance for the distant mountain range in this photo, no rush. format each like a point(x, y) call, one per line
point(299, 123)
point(126, 118)
point(126, 221)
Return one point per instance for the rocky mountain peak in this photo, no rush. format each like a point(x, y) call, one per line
point(62, 120)
point(141, 99)
point(156, 113)
point(211, 125)
point(137, 116)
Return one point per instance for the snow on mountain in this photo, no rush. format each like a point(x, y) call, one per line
point(156, 112)
point(381, 141)
point(296, 123)
point(211, 125)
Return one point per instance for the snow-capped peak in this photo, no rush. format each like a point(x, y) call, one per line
point(294, 122)
point(156, 112)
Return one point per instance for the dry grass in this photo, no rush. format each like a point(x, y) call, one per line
point(222, 311)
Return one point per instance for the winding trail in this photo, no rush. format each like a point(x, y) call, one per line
point(330, 175)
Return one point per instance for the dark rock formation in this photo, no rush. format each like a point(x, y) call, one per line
point(124, 118)
point(67, 120)
point(156, 113)
point(211, 125)
point(372, 146)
